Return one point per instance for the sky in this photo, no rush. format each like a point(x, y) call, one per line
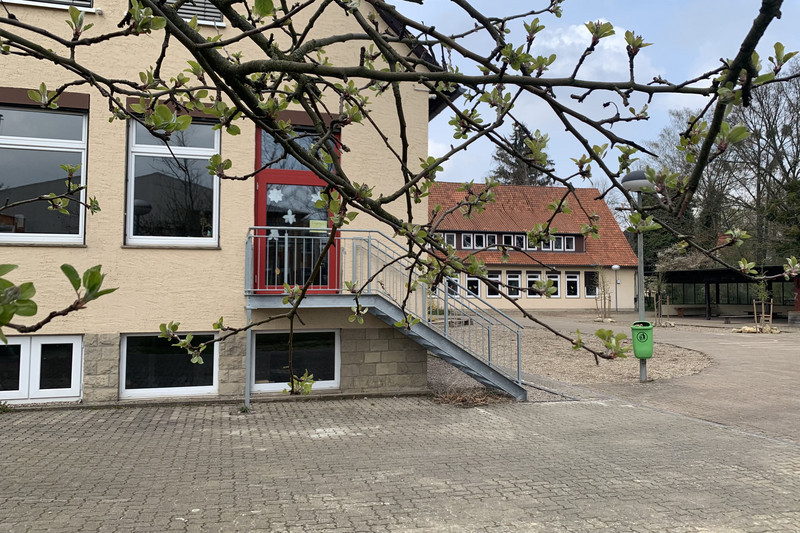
point(689, 37)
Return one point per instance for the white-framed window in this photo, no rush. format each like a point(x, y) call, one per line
point(172, 199)
point(520, 241)
point(508, 239)
point(317, 352)
point(546, 245)
point(450, 239)
point(530, 243)
point(556, 279)
point(83, 5)
point(513, 281)
point(573, 285)
point(33, 145)
point(479, 241)
point(569, 243)
point(591, 283)
point(41, 368)
point(451, 284)
point(491, 241)
point(466, 241)
point(473, 287)
point(150, 367)
point(532, 278)
point(492, 288)
point(558, 244)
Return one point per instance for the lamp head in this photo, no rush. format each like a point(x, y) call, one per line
point(636, 181)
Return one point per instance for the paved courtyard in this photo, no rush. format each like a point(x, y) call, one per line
point(635, 458)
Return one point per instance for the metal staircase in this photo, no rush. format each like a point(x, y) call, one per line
point(465, 331)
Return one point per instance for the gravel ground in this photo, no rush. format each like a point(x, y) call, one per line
point(553, 358)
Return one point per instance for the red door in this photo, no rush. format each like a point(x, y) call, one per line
point(291, 230)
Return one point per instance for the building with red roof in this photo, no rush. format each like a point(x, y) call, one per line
point(579, 267)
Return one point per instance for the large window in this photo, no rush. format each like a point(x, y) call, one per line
point(473, 287)
point(573, 284)
point(314, 351)
point(40, 368)
point(533, 277)
point(556, 279)
point(513, 281)
point(172, 199)
point(152, 367)
point(493, 287)
point(591, 282)
point(34, 145)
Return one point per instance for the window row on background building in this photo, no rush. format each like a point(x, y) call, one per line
point(519, 283)
point(171, 197)
point(50, 367)
point(480, 241)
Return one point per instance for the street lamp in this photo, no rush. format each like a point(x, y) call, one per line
point(636, 181)
point(615, 268)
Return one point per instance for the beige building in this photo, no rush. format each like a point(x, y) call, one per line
point(179, 243)
point(585, 273)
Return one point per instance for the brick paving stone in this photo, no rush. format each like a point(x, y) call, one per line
point(392, 464)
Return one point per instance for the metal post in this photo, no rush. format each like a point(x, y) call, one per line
point(446, 315)
point(369, 260)
point(286, 257)
point(248, 264)
point(519, 357)
point(489, 336)
point(424, 303)
point(248, 364)
point(641, 265)
point(616, 290)
point(642, 362)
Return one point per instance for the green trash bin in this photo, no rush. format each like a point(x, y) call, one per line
point(642, 335)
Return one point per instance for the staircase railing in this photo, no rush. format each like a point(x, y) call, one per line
point(382, 263)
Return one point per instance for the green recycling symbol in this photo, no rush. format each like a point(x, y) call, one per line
point(641, 336)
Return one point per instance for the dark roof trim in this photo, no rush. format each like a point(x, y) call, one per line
point(440, 102)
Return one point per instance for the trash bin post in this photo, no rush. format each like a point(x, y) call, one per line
point(642, 335)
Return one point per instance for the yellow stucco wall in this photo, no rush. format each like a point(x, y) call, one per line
point(193, 286)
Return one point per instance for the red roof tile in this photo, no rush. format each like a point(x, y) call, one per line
point(518, 208)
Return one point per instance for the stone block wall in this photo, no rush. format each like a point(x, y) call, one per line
point(100, 367)
point(374, 360)
point(381, 361)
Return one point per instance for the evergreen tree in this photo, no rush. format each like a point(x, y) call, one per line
point(510, 168)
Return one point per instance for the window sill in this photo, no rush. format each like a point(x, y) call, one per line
point(170, 247)
point(45, 244)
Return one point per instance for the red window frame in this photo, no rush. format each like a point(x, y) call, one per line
point(270, 176)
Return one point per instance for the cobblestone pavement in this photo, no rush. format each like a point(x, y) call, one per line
point(391, 464)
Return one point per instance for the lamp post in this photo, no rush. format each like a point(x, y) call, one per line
point(615, 268)
point(635, 182)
